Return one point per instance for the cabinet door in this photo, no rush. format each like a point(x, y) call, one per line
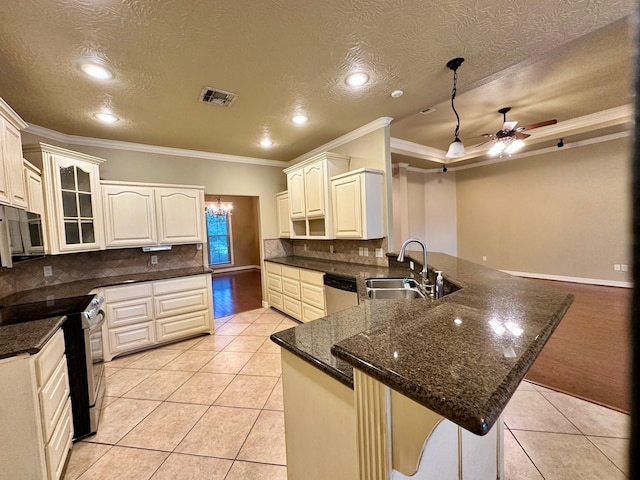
point(35, 198)
point(295, 187)
point(347, 207)
point(13, 166)
point(180, 214)
point(314, 190)
point(284, 217)
point(5, 195)
point(129, 216)
point(79, 213)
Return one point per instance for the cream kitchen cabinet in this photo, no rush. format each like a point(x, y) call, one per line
point(310, 197)
point(33, 185)
point(357, 204)
point(284, 218)
point(141, 214)
point(145, 314)
point(12, 186)
point(38, 429)
point(73, 209)
point(298, 292)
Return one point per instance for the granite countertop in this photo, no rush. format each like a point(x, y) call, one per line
point(29, 337)
point(462, 356)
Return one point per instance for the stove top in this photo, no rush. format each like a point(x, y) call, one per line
point(28, 312)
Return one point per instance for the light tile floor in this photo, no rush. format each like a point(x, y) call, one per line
point(211, 408)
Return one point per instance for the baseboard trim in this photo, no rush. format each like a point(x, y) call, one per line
point(235, 269)
point(561, 278)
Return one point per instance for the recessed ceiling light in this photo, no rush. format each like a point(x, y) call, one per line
point(106, 117)
point(357, 79)
point(96, 71)
point(300, 119)
point(397, 93)
point(266, 143)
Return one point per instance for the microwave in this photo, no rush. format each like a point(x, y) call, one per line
point(21, 236)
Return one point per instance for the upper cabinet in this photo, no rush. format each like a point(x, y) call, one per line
point(140, 214)
point(72, 203)
point(357, 204)
point(284, 218)
point(309, 195)
point(12, 186)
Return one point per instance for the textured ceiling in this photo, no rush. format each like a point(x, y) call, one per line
point(288, 56)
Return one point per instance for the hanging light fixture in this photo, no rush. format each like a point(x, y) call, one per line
point(219, 208)
point(456, 149)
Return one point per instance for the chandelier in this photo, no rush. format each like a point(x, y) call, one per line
point(219, 208)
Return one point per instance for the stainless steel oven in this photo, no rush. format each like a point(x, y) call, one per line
point(92, 327)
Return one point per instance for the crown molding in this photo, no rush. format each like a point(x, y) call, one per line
point(140, 147)
point(12, 117)
point(381, 122)
point(516, 156)
point(411, 149)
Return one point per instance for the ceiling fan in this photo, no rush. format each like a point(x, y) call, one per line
point(510, 138)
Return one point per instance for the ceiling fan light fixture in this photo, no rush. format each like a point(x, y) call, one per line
point(496, 149)
point(514, 146)
point(456, 149)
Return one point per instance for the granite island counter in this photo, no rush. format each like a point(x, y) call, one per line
point(459, 358)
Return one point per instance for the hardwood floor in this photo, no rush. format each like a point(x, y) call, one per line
point(236, 292)
point(589, 354)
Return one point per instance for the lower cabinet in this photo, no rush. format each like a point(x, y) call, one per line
point(38, 429)
point(298, 292)
point(148, 313)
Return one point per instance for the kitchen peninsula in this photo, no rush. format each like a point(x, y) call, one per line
point(406, 386)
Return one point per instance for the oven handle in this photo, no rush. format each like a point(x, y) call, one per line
point(95, 322)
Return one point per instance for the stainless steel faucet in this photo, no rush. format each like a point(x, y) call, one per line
point(423, 272)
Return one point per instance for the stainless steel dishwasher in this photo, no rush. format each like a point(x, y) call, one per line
point(340, 292)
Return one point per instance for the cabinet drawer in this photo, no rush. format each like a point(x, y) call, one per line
point(312, 295)
point(273, 268)
point(132, 337)
point(58, 447)
point(312, 277)
point(311, 313)
point(291, 272)
point(182, 326)
point(292, 307)
point(129, 313)
point(179, 303)
point(129, 292)
point(49, 357)
point(275, 299)
point(181, 284)
point(274, 282)
point(291, 288)
point(53, 398)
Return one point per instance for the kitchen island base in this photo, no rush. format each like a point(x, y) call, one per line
point(372, 432)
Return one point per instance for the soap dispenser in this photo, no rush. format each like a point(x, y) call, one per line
point(439, 284)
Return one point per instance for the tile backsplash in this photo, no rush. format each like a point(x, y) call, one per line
point(343, 250)
point(105, 263)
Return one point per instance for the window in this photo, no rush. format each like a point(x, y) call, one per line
point(219, 236)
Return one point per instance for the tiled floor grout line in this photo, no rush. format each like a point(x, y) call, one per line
point(526, 453)
point(607, 456)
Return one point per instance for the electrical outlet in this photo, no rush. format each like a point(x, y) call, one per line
point(154, 259)
point(199, 246)
point(616, 267)
point(624, 268)
point(304, 246)
point(48, 271)
point(484, 258)
point(411, 265)
point(365, 251)
point(361, 251)
point(330, 248)
point(379, 253)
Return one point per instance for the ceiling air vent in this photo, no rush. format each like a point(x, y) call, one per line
point(218, 97)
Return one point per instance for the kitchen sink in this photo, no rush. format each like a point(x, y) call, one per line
point(390, 283)
point(387, 293)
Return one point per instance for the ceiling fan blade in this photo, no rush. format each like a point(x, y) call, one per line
point(508, 126)
point(539, 124)
point(522, 136)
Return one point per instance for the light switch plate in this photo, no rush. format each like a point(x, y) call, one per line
point(48, 271)
point(365, 251)
point(154, 259)
point(379, 253)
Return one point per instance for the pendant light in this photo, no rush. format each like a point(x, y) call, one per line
point(456, 149)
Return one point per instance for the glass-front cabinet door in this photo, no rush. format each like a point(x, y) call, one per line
point(76, 184)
